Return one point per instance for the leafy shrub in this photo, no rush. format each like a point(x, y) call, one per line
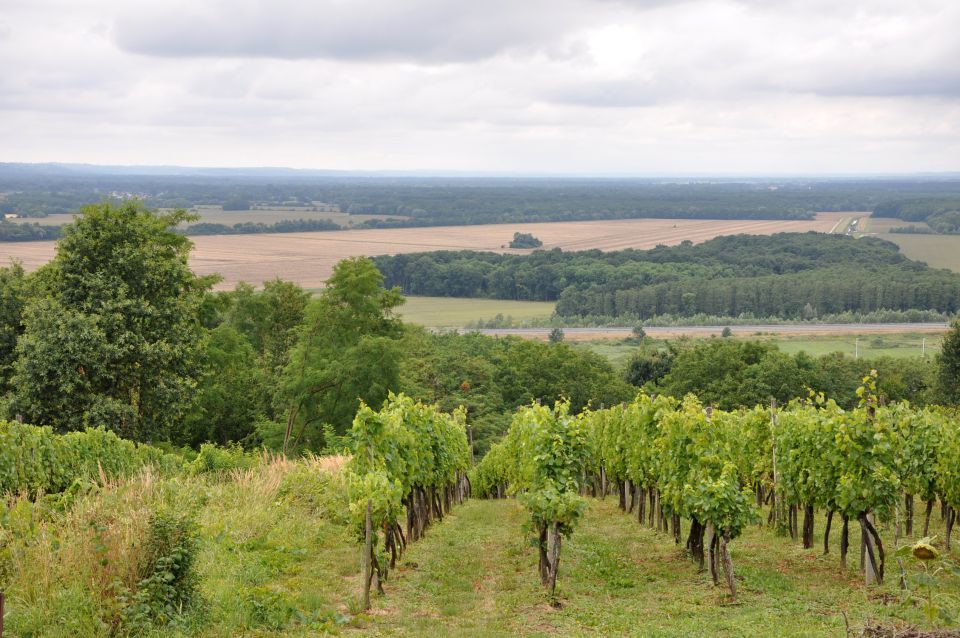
point(168, 583)
point(220, 459)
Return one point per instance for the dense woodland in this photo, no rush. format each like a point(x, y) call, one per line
point(38, 190)
point(789, 276)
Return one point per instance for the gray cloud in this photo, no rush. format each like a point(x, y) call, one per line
point(425, 31)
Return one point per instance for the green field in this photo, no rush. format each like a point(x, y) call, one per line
point(453, 312)
point(939, 251)
point(887, 345)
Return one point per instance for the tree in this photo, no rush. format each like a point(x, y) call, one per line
point(525, 240)
point(556, 335)
point(12, 299)
point(948, 366)
point(113, 336)
point(229, 395)
point(727, 332)
point(638, 332)
point(348, 350)
point(648, 365)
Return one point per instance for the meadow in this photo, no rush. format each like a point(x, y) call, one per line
point(452, 312)
point(939, 251)
point(308, 258)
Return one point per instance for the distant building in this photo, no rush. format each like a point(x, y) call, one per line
point(11, 216)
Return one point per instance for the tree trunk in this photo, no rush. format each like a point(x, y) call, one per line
point(794, 531)
point(844, 541)
point(632, 493)
point(826, 533)
point(926, 520)
point(603, 483)
point(622, 488)
point(653, 505)
point(728, 566)
point(675, 528)
point(808, 513)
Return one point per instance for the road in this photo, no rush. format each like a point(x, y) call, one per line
point(796, 329)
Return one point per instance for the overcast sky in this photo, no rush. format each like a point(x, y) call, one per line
point(567, 86)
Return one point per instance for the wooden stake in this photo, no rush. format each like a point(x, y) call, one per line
point(367, 555)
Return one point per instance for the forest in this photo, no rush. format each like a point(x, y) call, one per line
point(790, 276)
point(39, 190)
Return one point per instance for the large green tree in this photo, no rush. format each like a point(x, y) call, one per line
point(113, 336)
point(348, 349)
point(948, 366)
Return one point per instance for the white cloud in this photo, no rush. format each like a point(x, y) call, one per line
point(565, 85)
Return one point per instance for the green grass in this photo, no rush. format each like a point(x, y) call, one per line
point(276, 558)
point(474, 575)
point(446, 312)
point(870, 345)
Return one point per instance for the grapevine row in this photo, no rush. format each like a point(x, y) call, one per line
point(410, 463)
point(672, 461)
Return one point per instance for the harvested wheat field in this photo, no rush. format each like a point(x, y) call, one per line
point(308, 258)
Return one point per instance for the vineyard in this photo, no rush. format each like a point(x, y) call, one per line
point(682, 462)
point(681, 517)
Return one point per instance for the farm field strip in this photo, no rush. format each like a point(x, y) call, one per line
point(308, 258)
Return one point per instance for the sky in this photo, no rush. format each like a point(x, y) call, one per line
point(545, 86)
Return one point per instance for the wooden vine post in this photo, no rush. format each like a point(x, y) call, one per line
point(367, 556)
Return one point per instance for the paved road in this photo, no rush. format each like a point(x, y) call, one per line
point(673, 331)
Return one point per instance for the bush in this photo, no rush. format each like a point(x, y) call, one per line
point(168, 584)
point(220, 459)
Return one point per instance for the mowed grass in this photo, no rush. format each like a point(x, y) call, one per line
point(454, 312)
point(895, 345)
point(475, 575)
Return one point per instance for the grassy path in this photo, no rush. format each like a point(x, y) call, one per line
point(474, 575)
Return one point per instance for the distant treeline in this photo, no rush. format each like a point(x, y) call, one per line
point(942, 215)
point(285, 226)
point(788, 275)
point(10, 231)
point(436, 201)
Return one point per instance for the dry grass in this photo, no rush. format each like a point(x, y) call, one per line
point(308, 258)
